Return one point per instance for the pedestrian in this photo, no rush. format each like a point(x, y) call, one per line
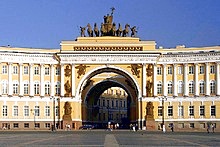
point(208, 127)
point(213, 128)
point(131, 127)
point(171, 127)
point(134, 127)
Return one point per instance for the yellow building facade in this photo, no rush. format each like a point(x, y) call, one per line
point(41, 88)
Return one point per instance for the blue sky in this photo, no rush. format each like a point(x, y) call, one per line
point(45, 23)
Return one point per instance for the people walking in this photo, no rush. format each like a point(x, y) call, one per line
point(213, 128)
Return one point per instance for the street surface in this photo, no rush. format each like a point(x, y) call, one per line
point(102, 138)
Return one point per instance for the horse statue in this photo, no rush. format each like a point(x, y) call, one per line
point(96, 30)
point(119, 31)
point(133, 31)
point(126, 30)
point(103, 30)
point(82, 33)
point(89, 30)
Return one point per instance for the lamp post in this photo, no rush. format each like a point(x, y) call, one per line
point(54, 123)
point(33, 112)
point(163, 124)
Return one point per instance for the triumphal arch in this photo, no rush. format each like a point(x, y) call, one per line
point(115, 52)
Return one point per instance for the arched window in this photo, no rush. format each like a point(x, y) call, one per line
point(36, 87)
point(26, 87)
point(47, 88)
point(191, 87)
point(212, 87)
point(57, 88)
point(4, 87)
point(201, 87)
point(15, 87)
point(180, 87)
point(159, 87)
point(169, 87)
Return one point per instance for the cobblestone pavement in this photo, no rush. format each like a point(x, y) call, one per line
point(102, 138)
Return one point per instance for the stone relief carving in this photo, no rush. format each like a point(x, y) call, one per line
point(81, 70)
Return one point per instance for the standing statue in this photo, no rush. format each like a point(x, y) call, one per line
point(114, 30)
point(89, 30)
point(103, 30)
point(96, 30)
point(126, 30)
point(119, 31)
point(133, 31)
point(82, 33)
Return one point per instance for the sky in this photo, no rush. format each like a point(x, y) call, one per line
point(45, 23)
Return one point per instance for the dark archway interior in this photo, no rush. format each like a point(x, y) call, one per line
point(94, 94)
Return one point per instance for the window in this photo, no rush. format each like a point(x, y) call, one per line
point(159, 88)
point(103, 103)
point(5, 110)
point(37, 110)
point(213, 110)
point(4, 87)
point(47, 125)
point(25, 70)
point(36, 70)
point(191, 87)
point(37, 125)
point(180, 70)
point(170, 70)
point(212, 87)
point(15, 125)
point(47, 110)
point(191, 110)
point(159, 71)
point(191, 69)
point(26, 87)
point(36, 88)
point(15, 87)
point(202, 87)
point(26, 110)
point(121, 103)
point(107, 103)
point(180, 87)
point(57, 110)
point(4, 69)
point(212, 69)
point(112, 103)
point(201, 69)
point(57, 88)
point(15, 69)
point(15, 111)
point(47, 88)
point(202, 110)
point(169, 88)
point(116, 103)
point(180, 111)
point(47, 71)
point(26, 125)
point(191, 125)
point(160, 110)
point(57, 72)
point(170, 110)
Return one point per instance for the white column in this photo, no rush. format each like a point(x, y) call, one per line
point(42, 84)
point(186, 89)
point(73, 81)
point(164, 80)
point(174, 81)
point(196, 79)
point(21, 85)
point(10, 84)
point(52, 87)
point(31, 79)
point(217, 79)
point(155, 79)
point(144, 80)
point(207, 79)
point(62, 80)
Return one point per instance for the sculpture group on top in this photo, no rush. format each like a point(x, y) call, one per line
point(108, 28)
